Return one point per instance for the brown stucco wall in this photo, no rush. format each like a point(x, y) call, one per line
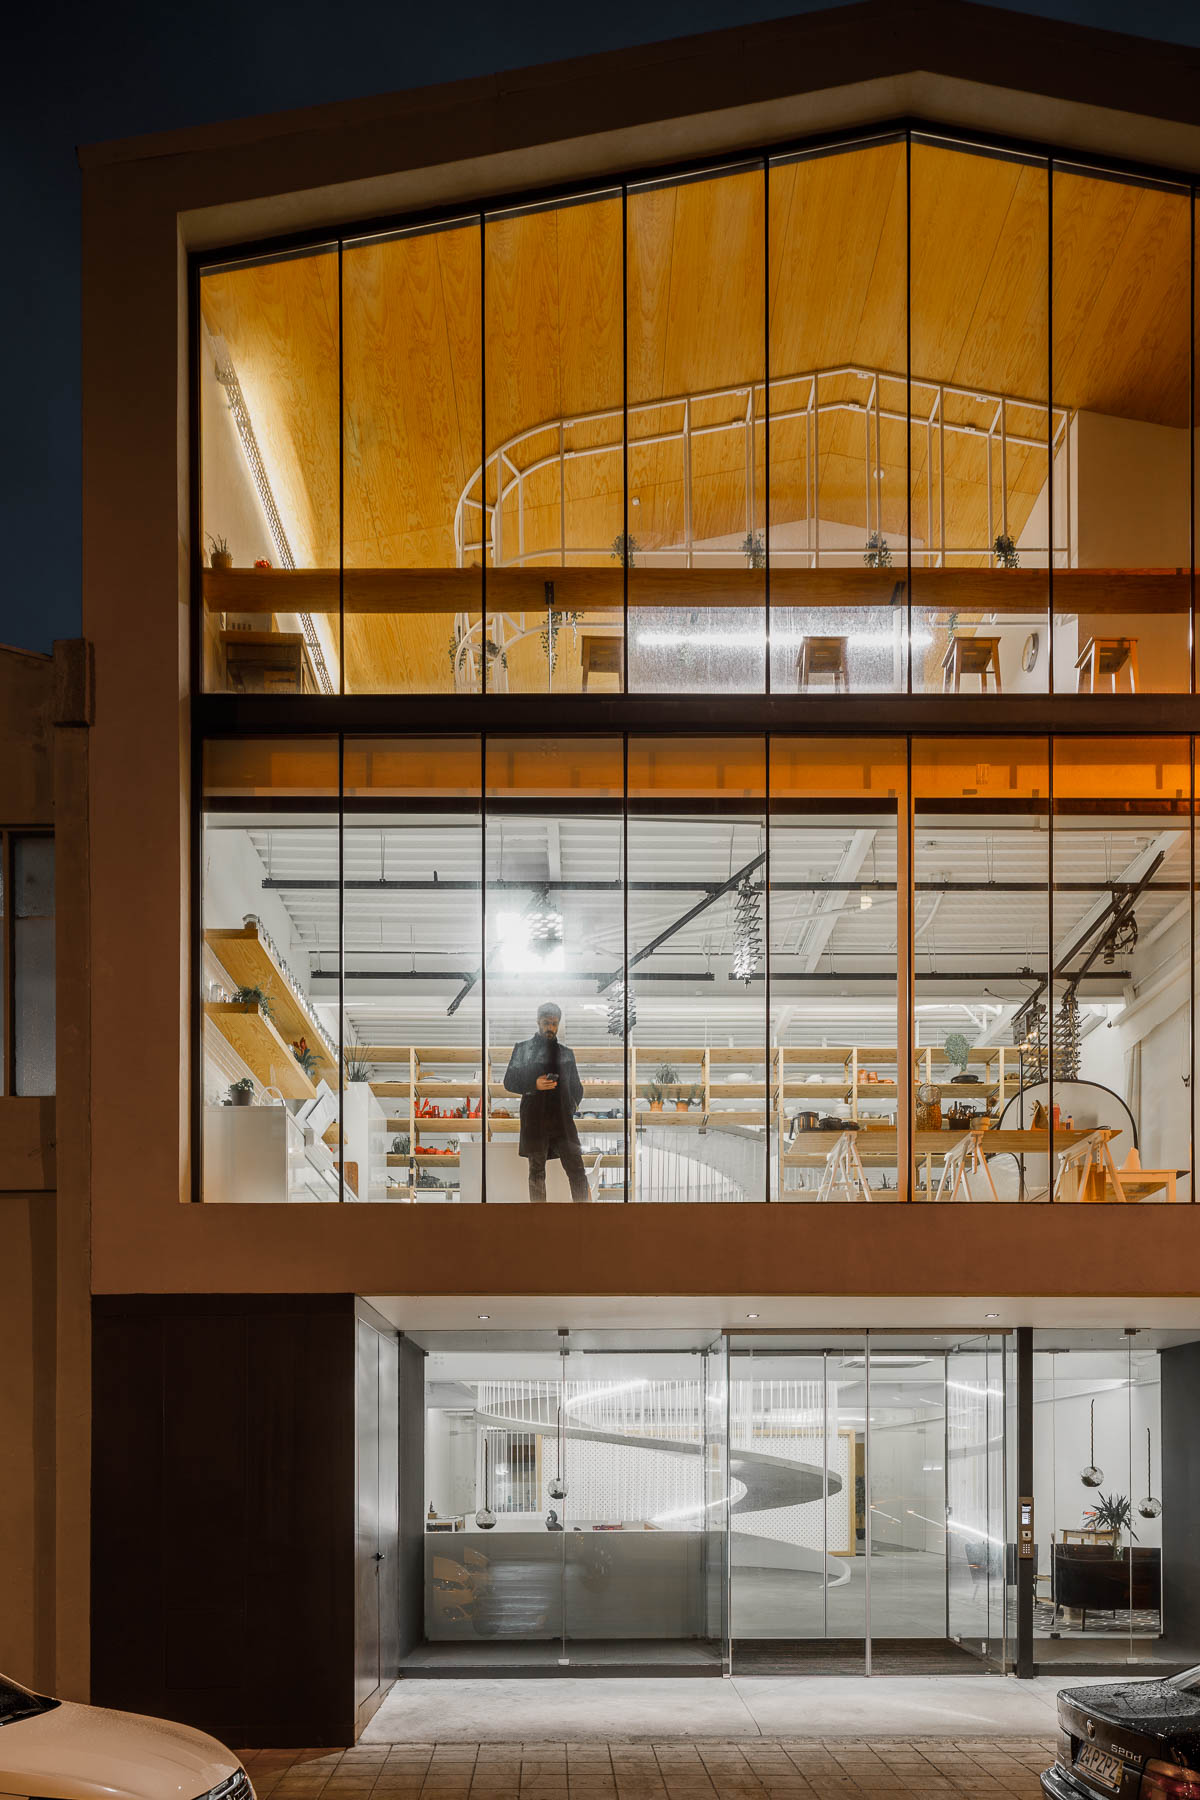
point(141, 202)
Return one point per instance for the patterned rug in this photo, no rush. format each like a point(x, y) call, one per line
point(1143, 1621)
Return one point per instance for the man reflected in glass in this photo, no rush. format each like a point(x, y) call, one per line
point(543, 1072)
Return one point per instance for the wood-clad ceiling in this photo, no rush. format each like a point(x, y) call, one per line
point(417, 309)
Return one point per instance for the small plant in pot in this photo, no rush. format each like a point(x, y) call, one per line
point(1112, 1513)
point(241, 1092)
point(308, 1059)
point(878, 552)
point(219, 554)
point(254, 996)
point(1006, 552)
point(401, 1145)
point(654, 1095)
point(958, 1053)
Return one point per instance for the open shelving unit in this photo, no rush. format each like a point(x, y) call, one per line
point(861, 1082)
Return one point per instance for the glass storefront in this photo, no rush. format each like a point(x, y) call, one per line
point(808, 1502)
point(920, 405)
point(575, 1502)
point(788, 970)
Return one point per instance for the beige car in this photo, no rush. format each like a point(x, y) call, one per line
point(57, 1750)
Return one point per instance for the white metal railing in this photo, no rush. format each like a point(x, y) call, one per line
point(480, 522)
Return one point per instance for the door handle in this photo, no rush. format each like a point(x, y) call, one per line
point(379, 1556)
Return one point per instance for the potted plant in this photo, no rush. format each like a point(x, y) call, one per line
point(241, 1091)
point(220, 556)
point(356, 1068)
point(1006, 552)
point(307, 1058)
point(654, 1095)
point(878, 553)
point(754, 550)
point(624, 549)
point(667, 1075)
point(401, 1146)
point(958, 1051)
point(254, 996)
point(1112, 1513)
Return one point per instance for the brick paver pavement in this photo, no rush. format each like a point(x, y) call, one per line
point(754, 1769)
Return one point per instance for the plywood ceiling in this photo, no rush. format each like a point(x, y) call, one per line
point(417, 308)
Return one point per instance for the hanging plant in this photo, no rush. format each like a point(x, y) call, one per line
point(878, 553)
point(555, 621)
point(1006, 552)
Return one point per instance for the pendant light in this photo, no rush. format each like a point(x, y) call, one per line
point(1092, 1476)
point(1149, 1508)
point(485, 1518)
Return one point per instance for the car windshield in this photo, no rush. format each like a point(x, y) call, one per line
point(1187, 1679)
point(17, 1702)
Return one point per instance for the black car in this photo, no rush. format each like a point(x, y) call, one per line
point(1136, 1740)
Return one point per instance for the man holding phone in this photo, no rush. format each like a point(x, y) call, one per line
point(543, 1072)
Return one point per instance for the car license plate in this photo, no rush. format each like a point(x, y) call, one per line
point(1099, 1765)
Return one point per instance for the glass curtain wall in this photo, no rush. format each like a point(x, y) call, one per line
point(981, 920)
point(908, 391)
point(411, 989)
point(554, 412)
point(697, 859)
point(694, 541)
point(1122, 363)
point(980, 427)
point(411, 440)
point(838, 546)
point(270, 522)
point(270, 1089)
point(839, 1110)
point(759, 1000)
point(1117, 1034)
point(555, 936)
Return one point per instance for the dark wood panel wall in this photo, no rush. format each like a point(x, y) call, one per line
point(411, 1546)
point(223, 1495)
point(1180, 1373)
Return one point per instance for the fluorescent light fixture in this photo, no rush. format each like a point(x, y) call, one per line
point(885, 1359)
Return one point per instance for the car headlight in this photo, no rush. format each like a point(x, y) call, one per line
point(237, 1786)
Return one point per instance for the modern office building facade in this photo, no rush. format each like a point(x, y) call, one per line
point(703, 537)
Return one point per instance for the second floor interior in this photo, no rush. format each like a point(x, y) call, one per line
point(903, 414)
point(794, 969)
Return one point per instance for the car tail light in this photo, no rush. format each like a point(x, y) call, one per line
point(1168, 1781)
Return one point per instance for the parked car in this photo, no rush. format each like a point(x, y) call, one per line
point(59, 1750)
point(1136, 1740)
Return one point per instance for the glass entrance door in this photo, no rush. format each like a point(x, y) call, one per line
point(797, 1494)
point(867, 1502)
point(979, 1560)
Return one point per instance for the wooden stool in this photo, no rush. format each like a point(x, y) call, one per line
point(599, 655)
point(971, 656)
point(823, 656)
point(1106, 656)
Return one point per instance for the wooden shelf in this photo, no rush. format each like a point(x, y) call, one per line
point(445, 591)
point(260, 1047)
point(248, 963)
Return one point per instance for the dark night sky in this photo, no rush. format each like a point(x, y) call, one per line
point(80, 74)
